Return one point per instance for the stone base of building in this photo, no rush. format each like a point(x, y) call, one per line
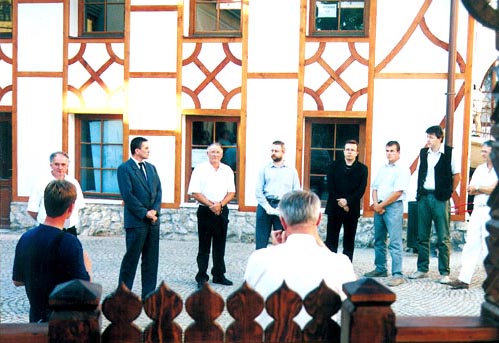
point(181, 224)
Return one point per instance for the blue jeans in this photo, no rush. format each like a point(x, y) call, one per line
point(431, 209)
point(389, 223)
point(264, 223)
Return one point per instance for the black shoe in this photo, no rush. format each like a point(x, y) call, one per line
point(458, 284)
point(223, 281)
point(376, 273)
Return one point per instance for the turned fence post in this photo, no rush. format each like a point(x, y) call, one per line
point(76, 312)
point(366, 315)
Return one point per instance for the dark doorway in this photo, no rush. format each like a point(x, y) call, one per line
point(5, 168)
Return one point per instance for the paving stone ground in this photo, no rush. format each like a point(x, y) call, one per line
point(423, 297)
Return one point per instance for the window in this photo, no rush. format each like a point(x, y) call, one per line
point(215, 18)
point(324, 143)
point(5, 18)
point(201, 132)
point(100, 152)
point(338, 17)
point(102, 17)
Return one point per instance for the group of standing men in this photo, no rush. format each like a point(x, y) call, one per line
point(55, 206)
point(438, 177)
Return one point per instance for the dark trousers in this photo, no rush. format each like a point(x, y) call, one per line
point(145, 241)
point(211, 229)
point(265, 223)
point(334, 223)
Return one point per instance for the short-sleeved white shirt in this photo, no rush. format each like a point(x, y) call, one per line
point(213, 183)
point(303, 264)
point(36, 204)
point(483, 177)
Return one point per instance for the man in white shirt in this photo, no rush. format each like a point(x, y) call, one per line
point(299, 256)
point(212, 185)
point(388, 192)
point(59, 163)
point(482, 183)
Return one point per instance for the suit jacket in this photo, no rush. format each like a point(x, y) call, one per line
point(139, 195)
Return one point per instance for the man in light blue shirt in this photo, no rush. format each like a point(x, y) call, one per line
point(274, 180)
point(388, 192)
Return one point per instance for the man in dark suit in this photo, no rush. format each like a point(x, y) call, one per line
point(140, 190)
point(346, 183)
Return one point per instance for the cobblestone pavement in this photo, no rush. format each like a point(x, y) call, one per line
point(423, 297)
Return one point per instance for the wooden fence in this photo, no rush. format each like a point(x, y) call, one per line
point(366, 317)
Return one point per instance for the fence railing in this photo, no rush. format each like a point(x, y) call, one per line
point(366, 317)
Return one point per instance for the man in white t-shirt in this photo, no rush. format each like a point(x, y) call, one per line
point(298, 255)
point(482, 183)
point(212, 185)
point(59, 163)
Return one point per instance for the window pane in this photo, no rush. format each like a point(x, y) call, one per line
point(334, 16)
point(94, 18)
point(206, 17)
point(226, 134)
point(101, 147)
point(115, 18)
point(113, 131)
point(88, 182)
point(103, 16)
point(202, 133)
point(5, 18)
point(230, 20)
point(326, 15)
point(110, 181)
point(217, 16)
point(352, 16)
point(86, 156)
point(112, 156)
point(345, 132)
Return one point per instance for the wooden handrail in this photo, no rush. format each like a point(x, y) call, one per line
point(447, 329)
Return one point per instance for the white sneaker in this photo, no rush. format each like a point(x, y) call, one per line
point(396, 281)
point(445, 279)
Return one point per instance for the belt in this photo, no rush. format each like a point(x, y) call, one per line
point(426, 191)
point(273, 201)
point(380, 201)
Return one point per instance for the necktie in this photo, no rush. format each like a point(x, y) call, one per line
point(143, 168)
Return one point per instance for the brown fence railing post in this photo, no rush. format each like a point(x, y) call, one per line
point(366, 315)
point(76, 312)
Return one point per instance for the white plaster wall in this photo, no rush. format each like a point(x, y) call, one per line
point(419, 54)
point(272, 110)
point(484, 52)
point(39, 127)
point(152, 104)
point(162, 156)
point(6, 74)
point(153, 41)
point(36, 23)
point(274, 32)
